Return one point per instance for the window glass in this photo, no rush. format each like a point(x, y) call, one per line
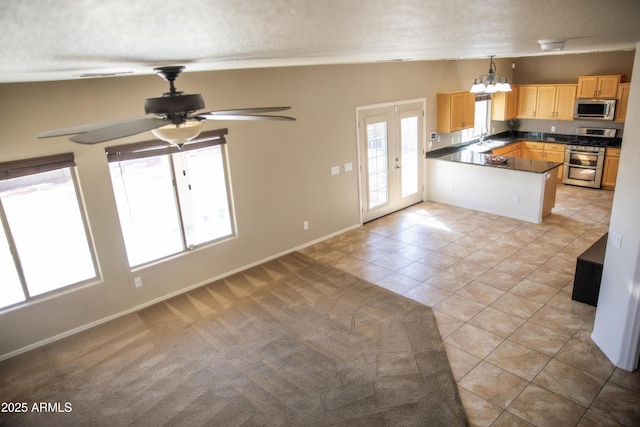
point(482, 121)
point(10, 288)
point(147, 208)
point(171, 202)
point(44, 218)
point(203, 194)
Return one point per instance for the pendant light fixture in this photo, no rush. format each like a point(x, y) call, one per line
point(494, 81)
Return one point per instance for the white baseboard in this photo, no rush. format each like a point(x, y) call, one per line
point(165, 297)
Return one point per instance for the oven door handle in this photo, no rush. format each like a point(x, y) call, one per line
point(594, 153)
point(573, 165)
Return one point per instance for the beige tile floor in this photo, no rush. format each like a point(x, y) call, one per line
point(519, 346)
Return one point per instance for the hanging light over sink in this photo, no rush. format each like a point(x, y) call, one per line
point(494, 82)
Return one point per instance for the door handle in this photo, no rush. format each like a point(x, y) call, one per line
point(398, 166)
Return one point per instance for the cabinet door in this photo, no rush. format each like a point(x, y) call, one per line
point(502, 151)
point(527, 99)
point(554, 153)
point(610, 172)
point(512, 103)
point(587, 86)
point(598, 86)
point(504, 105)
point(545, 105)
point(623, 100)
point(565, 100)
point(534, 154)
point(608, 86)
point(469, 110)
point(516, 149)
point(499, 106)
point(457, 112)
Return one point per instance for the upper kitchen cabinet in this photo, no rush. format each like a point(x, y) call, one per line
point(527, 100)
point(504, 105)
point(456, 111)
point(546, 101)
point(598, 86)
point(623, 100)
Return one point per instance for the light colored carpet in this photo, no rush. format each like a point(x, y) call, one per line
point(289, 342)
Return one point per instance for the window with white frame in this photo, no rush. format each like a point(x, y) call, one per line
point(482, 119)
point(44, 244)
point(169, 199)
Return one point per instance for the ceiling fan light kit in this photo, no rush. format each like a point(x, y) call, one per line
point(172, 117)
point(178, 134)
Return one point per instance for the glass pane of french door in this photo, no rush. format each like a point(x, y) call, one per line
point(410, 155)
point(377, 164)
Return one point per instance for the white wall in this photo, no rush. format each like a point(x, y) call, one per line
point(617, 324)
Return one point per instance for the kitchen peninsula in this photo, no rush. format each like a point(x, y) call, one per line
point(523, 189)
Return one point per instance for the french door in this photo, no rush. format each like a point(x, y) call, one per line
point(390, 147)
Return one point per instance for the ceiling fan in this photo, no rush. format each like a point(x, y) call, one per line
point(171, 117)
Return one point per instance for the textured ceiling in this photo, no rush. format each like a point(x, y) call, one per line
point(64, 39)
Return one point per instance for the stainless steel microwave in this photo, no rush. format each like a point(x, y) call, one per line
point(594, 109)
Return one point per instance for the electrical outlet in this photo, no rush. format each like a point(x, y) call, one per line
point(553, 128)
point(516, 199)
point(138, 282)
point(305, 225)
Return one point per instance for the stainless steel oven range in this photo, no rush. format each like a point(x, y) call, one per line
point(584, 158)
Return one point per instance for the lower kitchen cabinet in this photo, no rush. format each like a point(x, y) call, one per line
point(610, 169)
point(509, 150)
point(545, 151)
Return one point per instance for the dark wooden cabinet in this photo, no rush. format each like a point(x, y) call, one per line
point(586, 283)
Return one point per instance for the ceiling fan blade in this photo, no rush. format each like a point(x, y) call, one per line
point(72, 130)
point(258, 110)
point(243, 117)
point(120, 130)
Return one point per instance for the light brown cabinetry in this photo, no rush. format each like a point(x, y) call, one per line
point(610, 169)
point(456, 111)
point(535, 151)
point(510, 150)
point(553, 102)
point(504, 105)
point(598, 86)
point(547, 151)
point(623, 100)
point(527, 99)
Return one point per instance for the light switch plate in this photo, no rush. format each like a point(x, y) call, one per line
point(335, 170)
point(616, 239)
point(348, 167)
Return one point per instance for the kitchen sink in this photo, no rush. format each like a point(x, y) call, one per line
point(486, 145)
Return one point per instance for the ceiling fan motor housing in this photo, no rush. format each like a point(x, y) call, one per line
point(174, 104)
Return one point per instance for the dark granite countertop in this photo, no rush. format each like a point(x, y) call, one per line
point(511, 163)
point(505, 138)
